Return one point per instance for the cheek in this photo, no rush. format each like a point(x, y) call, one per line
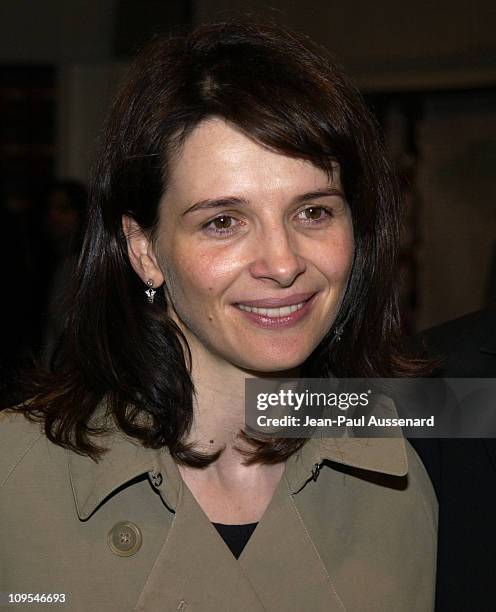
point(194, 278)
point(336, 260)
point(347, 258)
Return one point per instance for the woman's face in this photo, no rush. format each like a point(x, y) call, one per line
point(255, 249)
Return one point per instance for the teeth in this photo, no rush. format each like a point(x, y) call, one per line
point(273, 312)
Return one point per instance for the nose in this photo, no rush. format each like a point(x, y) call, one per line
point(276, 257)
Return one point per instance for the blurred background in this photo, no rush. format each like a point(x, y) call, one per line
point(427, 70)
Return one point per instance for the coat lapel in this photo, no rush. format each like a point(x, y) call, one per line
point(291, 561)
point(198, 570)
point(202, 574)
point(194, 568)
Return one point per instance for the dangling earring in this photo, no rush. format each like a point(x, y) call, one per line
point(150, 292)
point(338, 333)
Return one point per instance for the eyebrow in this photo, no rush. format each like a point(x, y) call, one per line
point(214, 203)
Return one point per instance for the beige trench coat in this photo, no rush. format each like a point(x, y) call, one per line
point(127, 534)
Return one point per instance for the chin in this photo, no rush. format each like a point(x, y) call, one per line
point(273, 364)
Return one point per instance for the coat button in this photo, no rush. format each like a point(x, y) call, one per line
point(124, 539)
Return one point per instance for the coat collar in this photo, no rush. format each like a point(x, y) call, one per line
point(382, 455)
point(92, 482)
point(192, 544)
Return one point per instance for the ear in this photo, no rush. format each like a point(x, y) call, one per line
point(140, 252)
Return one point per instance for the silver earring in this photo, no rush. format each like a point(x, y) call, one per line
point(150, 292)
point(338, 333)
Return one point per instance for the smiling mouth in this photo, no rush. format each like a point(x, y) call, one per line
point(274, 313)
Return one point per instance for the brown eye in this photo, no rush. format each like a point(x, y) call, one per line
point(222, 222)
point(222, 226)
point(313, 213)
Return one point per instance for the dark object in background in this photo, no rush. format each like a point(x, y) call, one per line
point(38, 255)
point(137, 22)
point(21, 267)
point(27, 159)
point(463, 472)
point(491, 281)
point(17, 259)
point(66, 203)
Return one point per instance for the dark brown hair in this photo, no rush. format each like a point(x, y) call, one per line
point(284, 92)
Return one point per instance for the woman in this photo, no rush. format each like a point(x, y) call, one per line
point(243, 223)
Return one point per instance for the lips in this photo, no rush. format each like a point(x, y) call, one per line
point(274, 302)
point(282, 311)
point(296, 308)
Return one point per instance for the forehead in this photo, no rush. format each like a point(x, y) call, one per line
point(217, 157)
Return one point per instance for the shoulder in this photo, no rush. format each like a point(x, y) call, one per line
point(422, 484)
point(467, 345)
point(474, 328)
point(18, 438)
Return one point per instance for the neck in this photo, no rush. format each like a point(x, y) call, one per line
point(219, 402)
point(228, 490)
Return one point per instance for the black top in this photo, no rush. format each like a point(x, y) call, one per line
point(235, 536)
